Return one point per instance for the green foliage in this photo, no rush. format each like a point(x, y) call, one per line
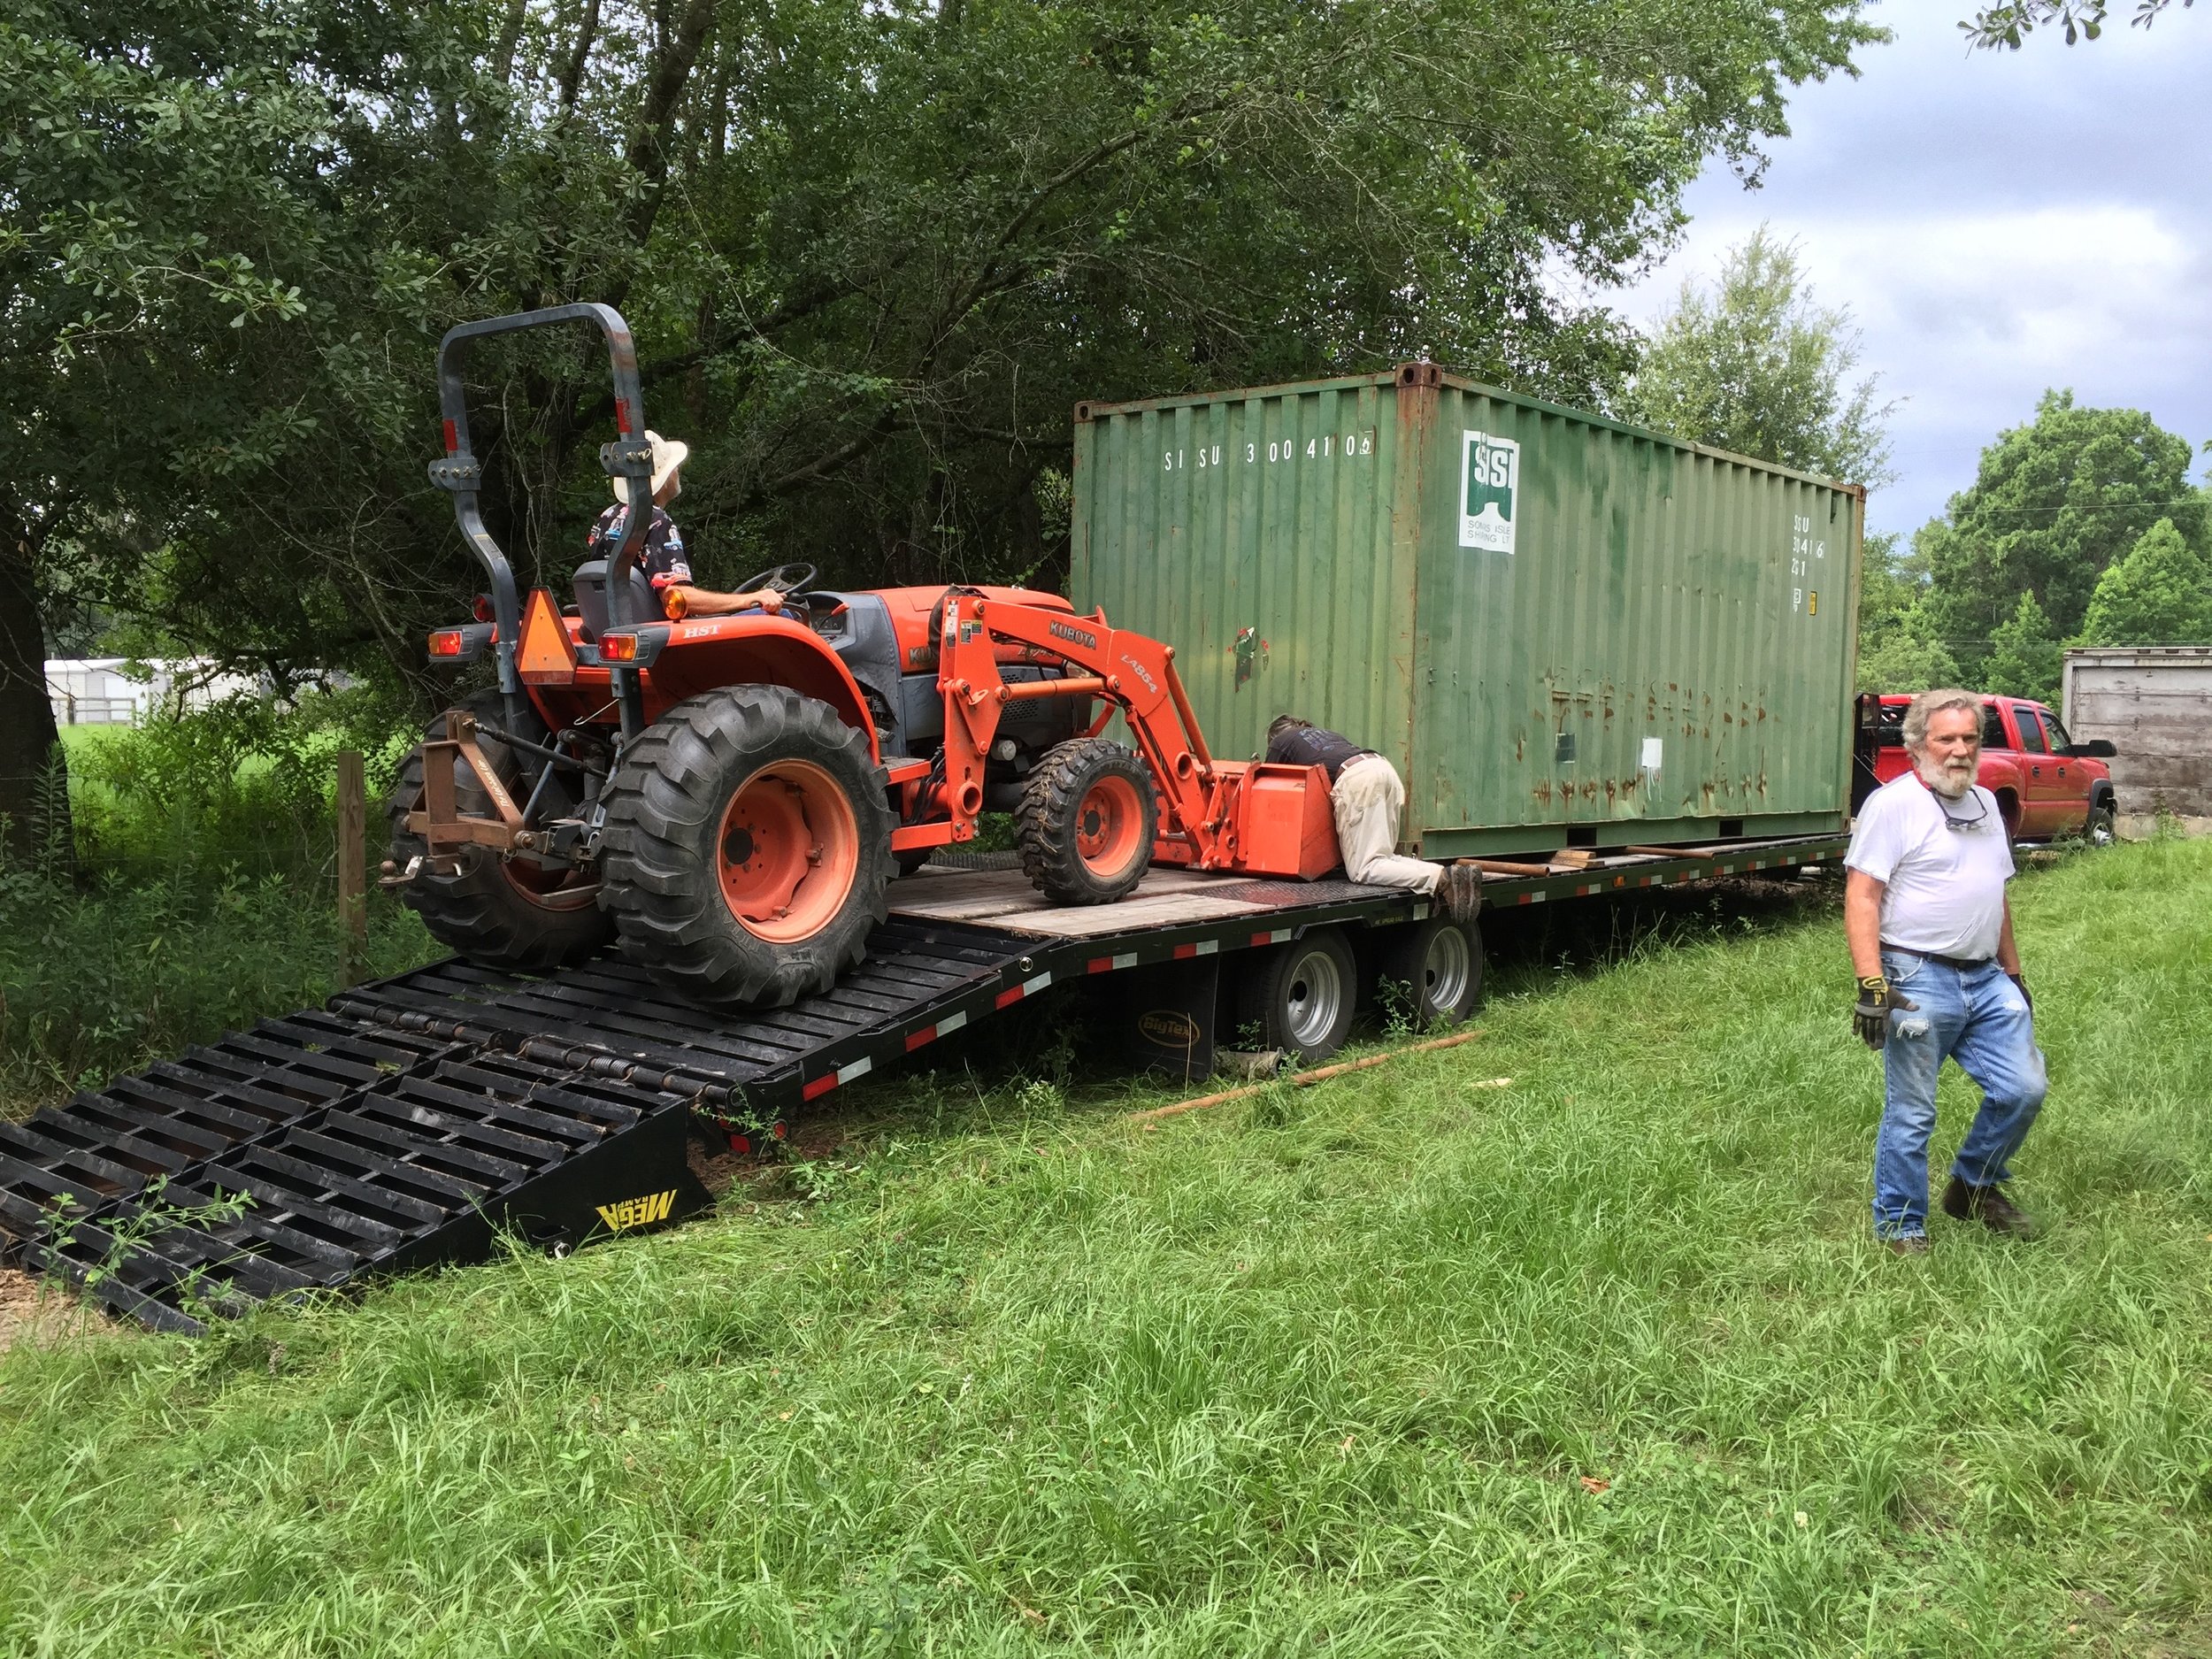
point(2161, 594)
point(2024, 655)
point(1904, 661)
point(1399, 1365)
point(872, 252)
point(1759, 366)
point(2006, 25)
point(245, 784)
point(2053, 503)
point(1895, 651)
point(201, 896)
point(125, 970)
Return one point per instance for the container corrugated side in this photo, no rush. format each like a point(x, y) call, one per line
point(1303, 549)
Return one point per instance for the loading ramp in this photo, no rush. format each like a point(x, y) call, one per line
point(410, 1121)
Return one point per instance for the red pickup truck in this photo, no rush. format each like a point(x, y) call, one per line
point(2045, 784)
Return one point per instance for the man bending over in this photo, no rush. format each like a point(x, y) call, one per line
point(1367, 796)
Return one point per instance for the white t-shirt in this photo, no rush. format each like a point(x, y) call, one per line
point(1944, 888)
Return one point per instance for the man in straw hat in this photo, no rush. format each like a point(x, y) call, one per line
point(662, 561)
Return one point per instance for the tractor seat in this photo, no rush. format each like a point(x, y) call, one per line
point(591, 598)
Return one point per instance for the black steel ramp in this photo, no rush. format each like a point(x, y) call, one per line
point(412, 1119)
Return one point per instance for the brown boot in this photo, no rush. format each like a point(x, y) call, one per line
point(1459, 893)
point(1907, 1244)
point(1989, 1206)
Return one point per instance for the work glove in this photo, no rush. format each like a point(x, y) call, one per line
point(1870, 1018)
point(2020, 981)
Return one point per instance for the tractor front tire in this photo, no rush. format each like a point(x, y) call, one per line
point(747, 846)
point(502, 913)
point(1087, 821)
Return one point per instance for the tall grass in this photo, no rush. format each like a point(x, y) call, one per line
point(199, 894)
point(1602, 1362)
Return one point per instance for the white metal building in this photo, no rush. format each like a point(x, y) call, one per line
point(118, 691)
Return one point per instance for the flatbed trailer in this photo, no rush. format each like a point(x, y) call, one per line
point(409, 1121)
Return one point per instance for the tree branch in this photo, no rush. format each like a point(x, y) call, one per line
point(573, 75)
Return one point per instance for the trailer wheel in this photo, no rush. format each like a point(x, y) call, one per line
point(1440, 963)
point(1087, 821)
point(746, 847)
point(1301, 994)
point(507, 913)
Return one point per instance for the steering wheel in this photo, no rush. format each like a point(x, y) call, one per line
point(785, 579)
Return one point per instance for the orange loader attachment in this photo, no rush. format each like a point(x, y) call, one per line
point(1252, 818)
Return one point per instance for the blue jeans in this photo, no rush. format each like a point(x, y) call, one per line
point(1977, 1016)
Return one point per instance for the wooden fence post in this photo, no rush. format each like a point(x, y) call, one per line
point(353, 904)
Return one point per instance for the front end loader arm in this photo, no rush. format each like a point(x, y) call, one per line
point(1132, 670)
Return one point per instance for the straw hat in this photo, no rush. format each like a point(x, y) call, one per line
point(668, 454)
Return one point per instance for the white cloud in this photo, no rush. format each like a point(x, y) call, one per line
point(1996, 226)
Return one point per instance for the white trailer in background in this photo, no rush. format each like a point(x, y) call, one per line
point(119, 691)
point(2154, 702)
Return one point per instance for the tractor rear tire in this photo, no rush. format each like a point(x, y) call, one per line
point(502, 913)
point(1087, 821)
point(747, 846)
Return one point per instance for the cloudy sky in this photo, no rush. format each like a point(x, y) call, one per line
point(1997, 223)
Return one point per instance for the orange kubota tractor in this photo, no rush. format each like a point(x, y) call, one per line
point(728, 796)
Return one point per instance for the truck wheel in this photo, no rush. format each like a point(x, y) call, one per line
point(2102, 828)
point(1440, 963)
point(506, 913)
point(1087, 821)
point(746, 847)
point(1301, 994)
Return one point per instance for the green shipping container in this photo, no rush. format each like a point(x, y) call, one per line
point(1563, 631)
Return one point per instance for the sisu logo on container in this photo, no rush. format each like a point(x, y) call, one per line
point(1489, 479)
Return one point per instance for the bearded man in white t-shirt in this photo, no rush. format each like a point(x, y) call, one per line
point(1930, 934)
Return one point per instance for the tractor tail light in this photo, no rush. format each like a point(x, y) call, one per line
point(483, 608)
point(446, 642)
point(618, 648)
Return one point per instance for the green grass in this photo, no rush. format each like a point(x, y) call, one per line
point(197, 893)
point(1603, 1363)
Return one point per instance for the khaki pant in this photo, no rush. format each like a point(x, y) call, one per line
point(1368, 798)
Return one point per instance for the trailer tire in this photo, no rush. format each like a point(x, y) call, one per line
point(1087, 821)
point(1439, 964)
point(746, 847)
point(502, 913)
point(1301, 994)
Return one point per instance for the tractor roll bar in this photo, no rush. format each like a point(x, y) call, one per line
point(629, 457)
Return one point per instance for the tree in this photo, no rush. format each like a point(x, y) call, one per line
point(2007, 23)
point(135, 204)
point(873, 250)
point(1759, 366)
point(2053, 504)
point(1906, 662)
point(1895, 651)
point(2025, 655)
point(2161, 594)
